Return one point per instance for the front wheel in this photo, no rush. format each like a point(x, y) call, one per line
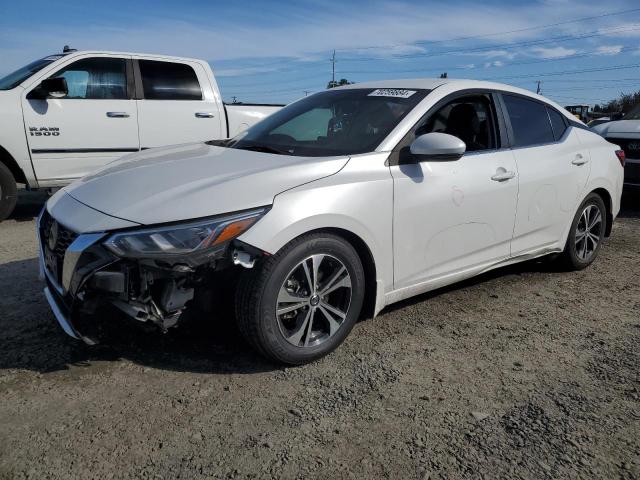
point(8, 192)
point(301, 303)
point(586, 233)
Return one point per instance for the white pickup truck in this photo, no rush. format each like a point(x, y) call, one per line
point(65, 115)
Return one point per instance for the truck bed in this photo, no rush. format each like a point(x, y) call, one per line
point(242, 115)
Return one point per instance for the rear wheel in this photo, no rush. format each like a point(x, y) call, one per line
point(301, 303)
point(586, 234)
point(8, 192)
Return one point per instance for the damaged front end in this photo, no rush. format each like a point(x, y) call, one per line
point(151, 274)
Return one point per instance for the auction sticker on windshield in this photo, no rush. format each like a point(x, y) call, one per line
point(392, 92)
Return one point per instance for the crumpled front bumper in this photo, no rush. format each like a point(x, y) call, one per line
point(61, 314)
point(61, 292)
point(84, 280)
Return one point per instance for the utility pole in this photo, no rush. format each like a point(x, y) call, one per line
point(333, 68)
point(539, 89)
point(307, 92)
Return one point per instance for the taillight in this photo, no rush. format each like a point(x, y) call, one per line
point(621, 156)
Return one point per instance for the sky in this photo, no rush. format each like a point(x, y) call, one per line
point(277, 51)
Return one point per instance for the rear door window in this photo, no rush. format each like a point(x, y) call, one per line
point(529, 121)
point(169, 81)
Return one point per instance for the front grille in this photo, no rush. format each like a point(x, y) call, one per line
point(55, 246)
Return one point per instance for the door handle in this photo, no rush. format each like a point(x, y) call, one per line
point(503, 175)
point(204, 115)
point(579, 160)
point(117, 115)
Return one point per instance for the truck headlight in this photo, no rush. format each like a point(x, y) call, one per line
point(182, 239)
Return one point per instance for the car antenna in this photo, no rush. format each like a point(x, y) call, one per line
point(67, 49)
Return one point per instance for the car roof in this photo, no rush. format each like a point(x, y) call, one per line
point(431, 83)
point(461, 84)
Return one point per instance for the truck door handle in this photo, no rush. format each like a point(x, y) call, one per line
point(503, 175)
point(579, 160)
point(204, 115)
point(117, 115)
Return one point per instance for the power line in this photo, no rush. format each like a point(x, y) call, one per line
point(609, 87)
point(507, 32)
point(595, 33)
point(569, 72)
point(506, 46)
point(462, 51)
point(434, 70)
point(544, 74)
point(504, 65)
point(575, 80)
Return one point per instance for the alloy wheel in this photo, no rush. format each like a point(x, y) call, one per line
point(588, 232)
point(314, 300)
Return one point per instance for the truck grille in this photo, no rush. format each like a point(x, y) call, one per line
point(56, 238)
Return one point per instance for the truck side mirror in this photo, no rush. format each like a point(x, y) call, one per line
point(51, 87)
point(437, 146)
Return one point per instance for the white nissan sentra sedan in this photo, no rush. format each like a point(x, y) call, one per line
point(339, 204)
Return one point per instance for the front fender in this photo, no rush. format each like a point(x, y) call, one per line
point(358, 199)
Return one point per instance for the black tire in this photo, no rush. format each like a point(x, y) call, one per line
point(571, 256)
point(258, 290)
point(8, 192)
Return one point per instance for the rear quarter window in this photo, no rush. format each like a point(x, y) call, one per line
point(558, 123)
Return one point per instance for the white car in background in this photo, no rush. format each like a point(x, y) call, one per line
point(64, 116)
point(349, 199)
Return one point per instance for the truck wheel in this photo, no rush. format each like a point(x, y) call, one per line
point(586, 233)
point(302, 302)
point(8, 192)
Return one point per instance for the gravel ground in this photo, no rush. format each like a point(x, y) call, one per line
point(526, 372)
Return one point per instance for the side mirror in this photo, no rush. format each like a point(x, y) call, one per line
point(436, 146)
point(52, 87)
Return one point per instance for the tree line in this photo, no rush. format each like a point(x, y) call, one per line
point(624, 103)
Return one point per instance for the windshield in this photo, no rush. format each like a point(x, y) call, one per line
point(634, 113)
point(334, 122)
point(16, 78)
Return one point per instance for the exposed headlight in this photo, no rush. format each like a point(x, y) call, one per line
point(183, 238)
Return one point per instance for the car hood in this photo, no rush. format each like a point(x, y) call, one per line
point(619, 126)
point(196, 180)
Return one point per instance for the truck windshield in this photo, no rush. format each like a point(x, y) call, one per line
point(16, 78)
point(334, 122)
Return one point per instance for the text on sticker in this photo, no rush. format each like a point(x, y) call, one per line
point(392, 92)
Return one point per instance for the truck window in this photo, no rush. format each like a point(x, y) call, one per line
point(169, 81)
point(96, 79)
